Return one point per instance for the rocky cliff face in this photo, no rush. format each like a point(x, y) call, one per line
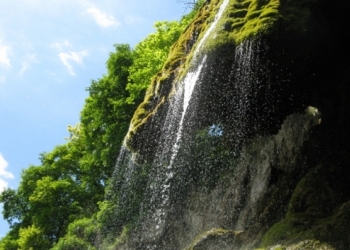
point(242, 140)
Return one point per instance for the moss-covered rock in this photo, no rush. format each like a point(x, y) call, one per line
point(162, 85)
point(241, 20)
point(301, 206)
point(313, 216)
point(305, 245)
point(215, 238)
point(309, 195)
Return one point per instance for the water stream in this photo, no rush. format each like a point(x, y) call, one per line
point(179, 104)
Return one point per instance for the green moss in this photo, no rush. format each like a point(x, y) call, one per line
point(312, 218)
point(291, 229)
point(309, 195)
point(213, 233)
point(175, 66)
point(123, 237)
point(242, 19)
point(305, 244)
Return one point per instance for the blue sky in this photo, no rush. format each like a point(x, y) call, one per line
point(49, 53)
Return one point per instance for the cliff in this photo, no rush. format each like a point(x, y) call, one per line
point(242, 139)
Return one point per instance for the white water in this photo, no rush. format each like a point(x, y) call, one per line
point(188, 84)
point(212, 26)
point(191, 80)
point(186, 89)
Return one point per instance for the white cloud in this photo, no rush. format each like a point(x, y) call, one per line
point(3, 185)
point(68, 58)
point(27, 62)
point(4, 173)
point(61, 45)
point(102, 19)
point(4, 59)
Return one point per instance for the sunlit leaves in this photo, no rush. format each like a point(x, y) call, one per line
point(150, 55)
point(31, 238)
point(106, 115)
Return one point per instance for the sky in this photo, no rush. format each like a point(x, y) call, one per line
point(49, 53)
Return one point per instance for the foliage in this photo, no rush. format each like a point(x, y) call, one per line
point(57, 203)
point(9, 243)
point(106, 115)
point(82, 234)
point(150, 55)
point(72, 242)
point(71, 178)
point(48, 198)
point(31, 238)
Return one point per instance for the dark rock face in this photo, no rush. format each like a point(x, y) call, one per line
point(260, 155)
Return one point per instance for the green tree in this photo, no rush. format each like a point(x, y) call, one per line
point(31, 238)
point(49, 197)
point(82, 234)
point(9, 242)
point(150, 55)
point(106, 115)
point(71, 178)
point(56, 202)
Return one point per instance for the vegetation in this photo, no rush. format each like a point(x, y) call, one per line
point(71, 179)
point(308, 221)
point(150, 55)
point(200, 240)
point(242, 19)
point(161, 85)
point(60, 204)
point(245, 19)
point(69, 201)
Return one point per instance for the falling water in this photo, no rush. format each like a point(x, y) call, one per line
point(246, 84)
point(211, 28)
point(188, 84)
point(160, 188)
point(199, 179)
point(244, 87)
point(191, 80)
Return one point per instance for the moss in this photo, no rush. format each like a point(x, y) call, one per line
point(123, 237)
point(291, 229)
point(242, 19)
point(209, 235)
point(313, 218)
point(175, 66)
point(305, 244)
point(309, 195)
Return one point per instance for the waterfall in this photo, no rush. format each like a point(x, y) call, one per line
point(164, 169)
point(191, 80)
point(211, 28)
point(225, 150)
point(188, 85)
